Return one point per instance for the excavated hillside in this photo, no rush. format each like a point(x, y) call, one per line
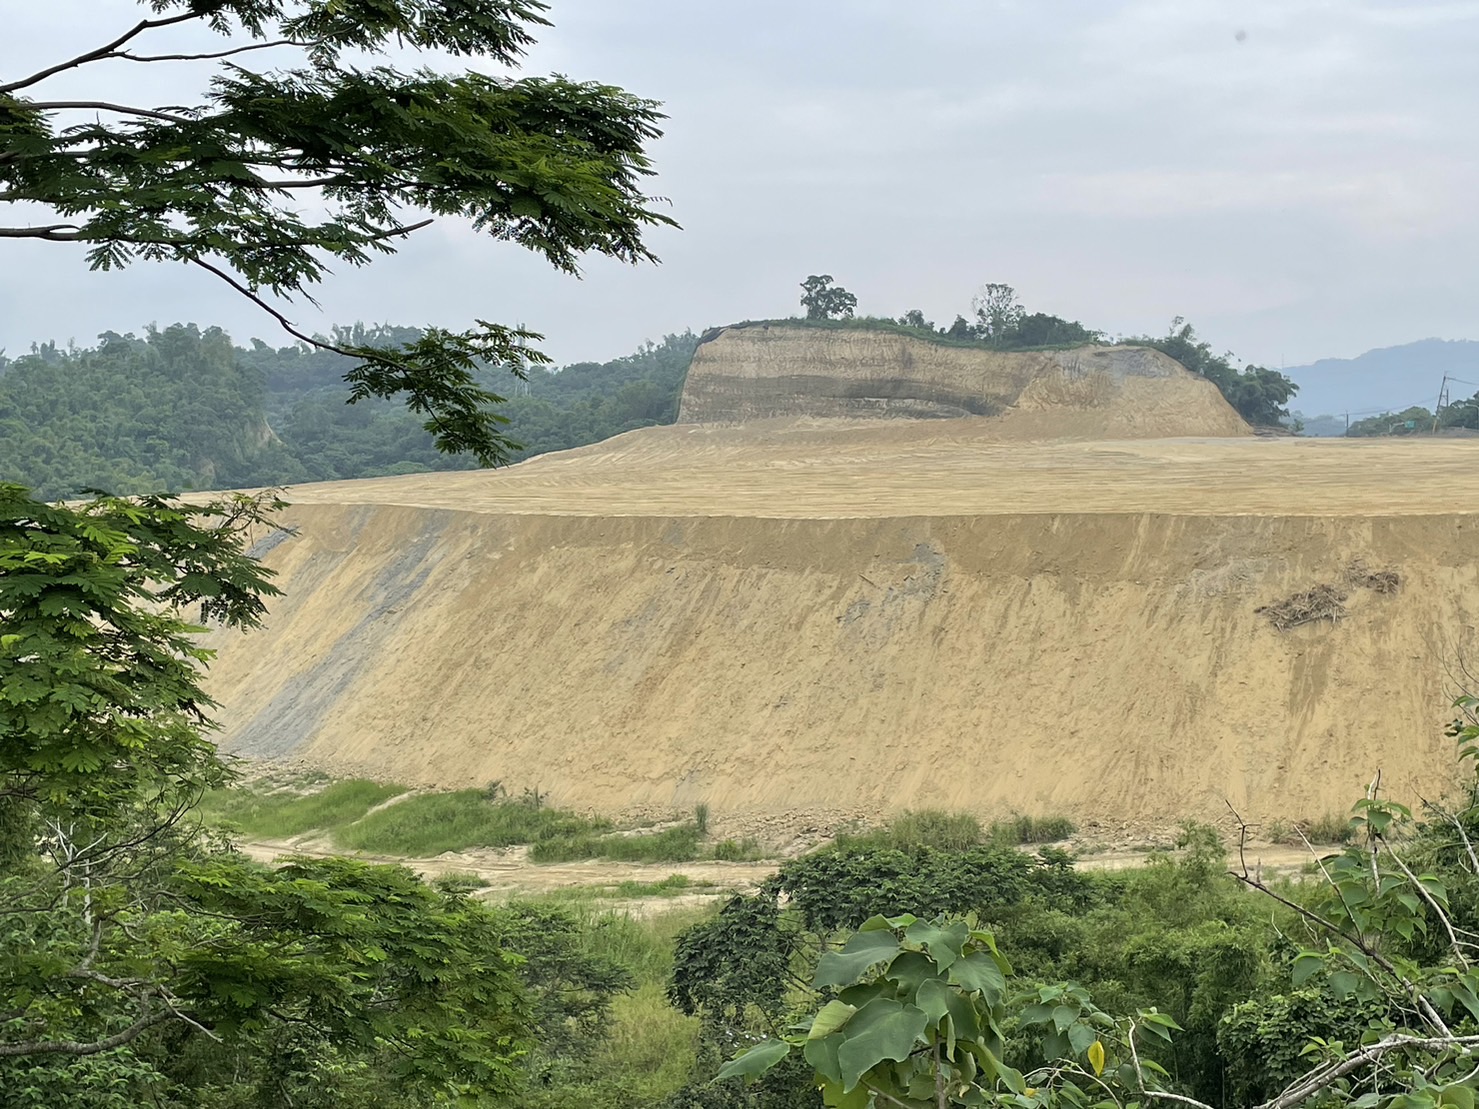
point(841, 615)
point(766, 371)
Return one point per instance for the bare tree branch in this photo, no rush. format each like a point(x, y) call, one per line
point(1323, 1076)
point(101, 52)
point(105, 106)
point(125, 56)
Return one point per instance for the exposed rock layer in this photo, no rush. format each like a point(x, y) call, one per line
point(766, 371)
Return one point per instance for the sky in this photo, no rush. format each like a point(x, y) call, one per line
point(1295, 177)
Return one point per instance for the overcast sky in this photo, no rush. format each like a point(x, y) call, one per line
point(1296, 177)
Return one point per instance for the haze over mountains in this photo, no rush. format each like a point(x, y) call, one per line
point(1389, 379)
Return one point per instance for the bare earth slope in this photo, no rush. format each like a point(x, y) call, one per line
point(831, 616)
point(758, 372)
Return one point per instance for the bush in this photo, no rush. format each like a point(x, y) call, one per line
point(1021, 829)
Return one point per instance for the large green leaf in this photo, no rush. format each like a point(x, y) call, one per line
point(832, 1018)
point(863, 952)
point(944, 942)
point(978, 971)
point(883, 1029)
point(756, 1061)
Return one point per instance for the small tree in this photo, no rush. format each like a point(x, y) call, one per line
point(997, 312)
point(825, 301)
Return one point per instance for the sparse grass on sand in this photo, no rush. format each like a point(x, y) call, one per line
point(436, 822)
point(284, 812)
point(430, 824)
point(957, 831)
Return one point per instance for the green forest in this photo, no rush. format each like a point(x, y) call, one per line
point(179, 408)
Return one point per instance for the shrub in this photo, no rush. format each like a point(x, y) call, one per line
point(1022, 829)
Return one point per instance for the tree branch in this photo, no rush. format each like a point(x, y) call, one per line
point(77, 1047)
point(50, 232)
point(105, 106)
point(1322, 1076)
point(101, 52)
point(205, 57)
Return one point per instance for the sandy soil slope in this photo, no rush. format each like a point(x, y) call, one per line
point(820, 616)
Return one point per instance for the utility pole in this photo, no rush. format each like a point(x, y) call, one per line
point(1347, 425)
point(1442, 399)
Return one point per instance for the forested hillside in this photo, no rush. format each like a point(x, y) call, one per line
point(181, 408)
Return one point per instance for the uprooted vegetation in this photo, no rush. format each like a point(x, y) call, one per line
point(1327, 600)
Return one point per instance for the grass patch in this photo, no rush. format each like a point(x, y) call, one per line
point(745, 850)
point(1020, 830)
point(674, 885)
point(437, 822)
point(671, 845)
point(284, 813)
point(952, 831)
point(1330, 828)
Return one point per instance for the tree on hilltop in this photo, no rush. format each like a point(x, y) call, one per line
point(825, 301)
point(273, 174)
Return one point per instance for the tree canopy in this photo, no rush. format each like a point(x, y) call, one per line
point(274, 173)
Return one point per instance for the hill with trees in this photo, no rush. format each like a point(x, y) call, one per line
point(181, 408)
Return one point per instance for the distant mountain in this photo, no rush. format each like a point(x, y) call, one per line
point(1387, 380)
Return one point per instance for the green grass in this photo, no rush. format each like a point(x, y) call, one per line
point(437, 822)
point(953, 831)
point(671, 845)
point(284, 813)
point(1327, 829)
point(649, 1048)
point(673, 885)
point(1020, 830)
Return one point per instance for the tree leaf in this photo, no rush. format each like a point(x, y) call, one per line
point(832, 1017)
point(863, 952)
point(883, 1029)
point(978, 971)
point(756, 1061)
point(1096, 1058)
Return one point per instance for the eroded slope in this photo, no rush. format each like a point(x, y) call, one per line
point(876, 617)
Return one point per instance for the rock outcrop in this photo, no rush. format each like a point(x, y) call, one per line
point(766, 371)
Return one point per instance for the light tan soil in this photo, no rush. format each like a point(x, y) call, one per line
point(848, 619)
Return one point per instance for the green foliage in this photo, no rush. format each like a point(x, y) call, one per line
point(435, 822)
point(1260, 395)
point(737, 851)
point(181, 409)
point(825, 301)
point(671, 845)
point(552, 165)
point(1410, 421)
point(916, 1016)
point(285, 812)
point(100, 697)
point(950, 831)
point(1023, 829)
